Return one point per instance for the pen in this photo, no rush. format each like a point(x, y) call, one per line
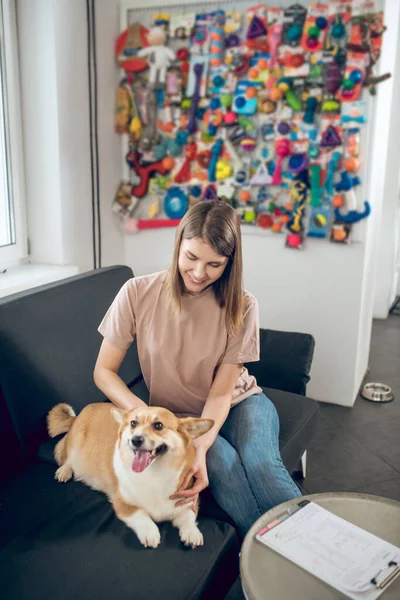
point(282, 517)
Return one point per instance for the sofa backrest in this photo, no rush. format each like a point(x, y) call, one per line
point(285, 360)
point(48, 348)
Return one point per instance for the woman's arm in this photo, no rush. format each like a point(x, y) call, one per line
point(217, 408)
point(109, 382)
point(218, 402)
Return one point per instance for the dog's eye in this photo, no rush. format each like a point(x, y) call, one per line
point(133, 424)
point(158, 426)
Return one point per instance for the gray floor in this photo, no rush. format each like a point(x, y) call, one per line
point(358, 449)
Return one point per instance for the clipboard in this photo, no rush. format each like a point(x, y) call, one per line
point(358, 564)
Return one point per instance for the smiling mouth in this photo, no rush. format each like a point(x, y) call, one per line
point(143, 458)
point(196, 281)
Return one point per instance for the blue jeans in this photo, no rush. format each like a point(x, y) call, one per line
point(245, 470)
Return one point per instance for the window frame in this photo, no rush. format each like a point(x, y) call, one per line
point(16, 253)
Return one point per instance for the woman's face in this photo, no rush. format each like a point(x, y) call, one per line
point(199, 265)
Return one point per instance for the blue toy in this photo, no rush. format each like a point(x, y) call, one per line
point(333, 165)
point(245, 100)
point(215, 152)
point(346, 182)
point(176, 203)
point(353, 216)
point(320, 217)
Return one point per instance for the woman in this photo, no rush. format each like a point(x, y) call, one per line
point(195, 328)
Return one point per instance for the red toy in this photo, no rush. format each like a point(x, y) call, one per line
point(282, 149)
point(135, 225)
point(145, 173)
point(190, 154)
point(132, 39)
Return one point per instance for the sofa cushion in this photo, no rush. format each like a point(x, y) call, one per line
point(285, 360)
point(48, 348)
point(63, 541)
point(298, 419)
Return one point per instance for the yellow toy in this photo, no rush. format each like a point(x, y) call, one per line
point(223, 169)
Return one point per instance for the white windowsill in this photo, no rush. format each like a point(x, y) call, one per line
point(24, 277)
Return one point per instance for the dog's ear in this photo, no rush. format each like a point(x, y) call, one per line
point(118, 415)
point(195, 427)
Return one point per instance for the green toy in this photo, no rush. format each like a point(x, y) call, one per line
point(285, 84)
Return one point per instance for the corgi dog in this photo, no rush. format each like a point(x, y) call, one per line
point(138, 458)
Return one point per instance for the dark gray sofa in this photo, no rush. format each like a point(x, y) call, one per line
point(63, 541)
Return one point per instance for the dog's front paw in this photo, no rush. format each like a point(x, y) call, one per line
point(64, 473)
point(191, 536)
point(149, 534)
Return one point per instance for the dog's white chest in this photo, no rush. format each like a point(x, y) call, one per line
point(150, 489)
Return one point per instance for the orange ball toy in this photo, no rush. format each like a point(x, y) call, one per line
point(275, 94)
point(251, 92)
point(245, 196)
point(168, 163)
point(289, 206)
point(254, 73)
point(351, 164)
point(338, 201)
point(277, 227)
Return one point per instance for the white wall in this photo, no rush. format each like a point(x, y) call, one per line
point(326, 289)
point(388, 168)
point(54, 74)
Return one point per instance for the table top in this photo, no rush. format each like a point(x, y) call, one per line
point(266, 575)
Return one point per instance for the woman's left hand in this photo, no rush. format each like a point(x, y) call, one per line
point(198, 471)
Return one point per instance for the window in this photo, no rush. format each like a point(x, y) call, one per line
point(13, 246)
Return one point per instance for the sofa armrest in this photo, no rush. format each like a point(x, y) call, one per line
point(285, 360)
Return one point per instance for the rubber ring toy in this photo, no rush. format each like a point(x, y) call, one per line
point(175, 203)
point(213, 117)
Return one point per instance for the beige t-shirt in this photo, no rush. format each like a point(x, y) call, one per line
point(179, 352)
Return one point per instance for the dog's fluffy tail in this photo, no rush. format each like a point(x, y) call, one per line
point(60, 419)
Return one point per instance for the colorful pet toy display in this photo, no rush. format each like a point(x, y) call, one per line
point(262, 109)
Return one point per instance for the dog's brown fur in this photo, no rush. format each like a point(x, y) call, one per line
point(88, 450)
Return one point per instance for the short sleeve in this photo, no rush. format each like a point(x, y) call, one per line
point(119, 323)
point(244, 346)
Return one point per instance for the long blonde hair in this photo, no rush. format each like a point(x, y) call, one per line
point(216, 223)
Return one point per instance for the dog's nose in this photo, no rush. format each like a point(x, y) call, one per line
point(137, 440)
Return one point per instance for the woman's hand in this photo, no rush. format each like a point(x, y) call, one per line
point(198, 471)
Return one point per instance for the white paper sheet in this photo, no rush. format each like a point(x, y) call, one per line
point(334, 550)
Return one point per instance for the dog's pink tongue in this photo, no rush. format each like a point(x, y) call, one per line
point(141, 460)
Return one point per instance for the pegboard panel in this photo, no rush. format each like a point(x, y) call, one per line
point(274, 141)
